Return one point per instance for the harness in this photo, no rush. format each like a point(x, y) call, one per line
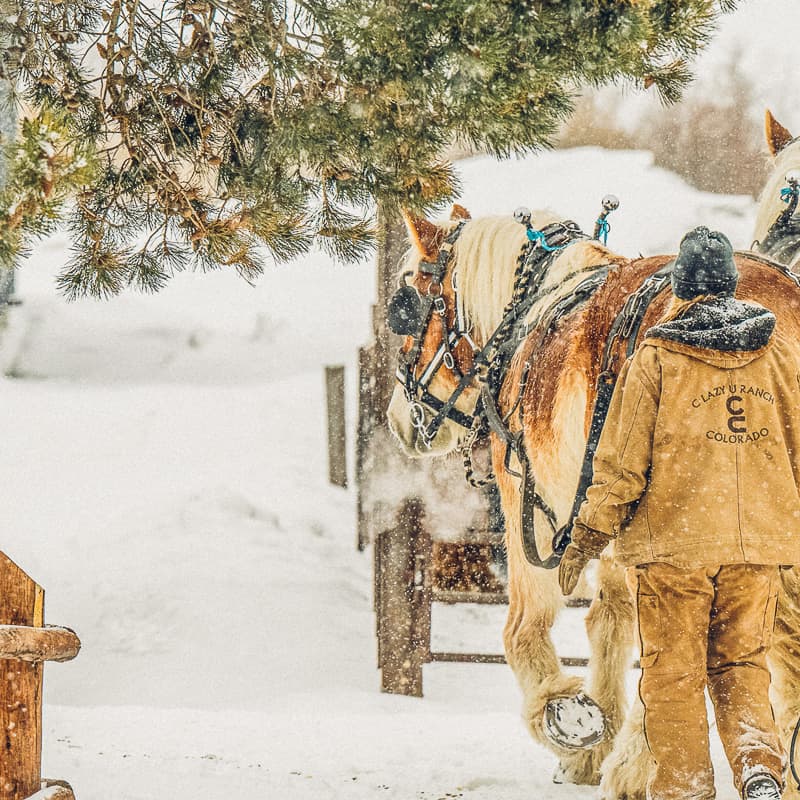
point(410, 314)
point(782, 241)
point(624, 331)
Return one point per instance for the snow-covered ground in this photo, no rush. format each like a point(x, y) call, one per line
point(164, 479)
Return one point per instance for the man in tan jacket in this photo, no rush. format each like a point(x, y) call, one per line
point(696, 480)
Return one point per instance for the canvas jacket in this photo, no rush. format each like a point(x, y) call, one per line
point(699, 460)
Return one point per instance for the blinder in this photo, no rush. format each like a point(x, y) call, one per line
point(404, 315)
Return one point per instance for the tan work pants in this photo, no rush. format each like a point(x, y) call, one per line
point(710, 626)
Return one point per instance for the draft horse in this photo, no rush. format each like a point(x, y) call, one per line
point(464, 280)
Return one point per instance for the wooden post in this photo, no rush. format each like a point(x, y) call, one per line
point(364, 431)
point(392, 245)
point(337, 443)
point(25, 644)
point(403, 601)
point(21, 603)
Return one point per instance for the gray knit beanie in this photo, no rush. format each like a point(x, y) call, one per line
point(704, 265)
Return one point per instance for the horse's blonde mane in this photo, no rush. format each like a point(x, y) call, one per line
point(770, 204)
point(485, 258)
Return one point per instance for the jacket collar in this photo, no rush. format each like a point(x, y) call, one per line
point(723, 324)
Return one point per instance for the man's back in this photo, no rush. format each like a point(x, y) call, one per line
point(722, 467)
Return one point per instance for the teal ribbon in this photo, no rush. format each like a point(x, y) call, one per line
point(538, 236)
point(789, 192)
point(604, 228)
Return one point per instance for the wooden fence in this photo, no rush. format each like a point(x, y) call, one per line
point(25, 644)
point(406, 587)
point(337, 436)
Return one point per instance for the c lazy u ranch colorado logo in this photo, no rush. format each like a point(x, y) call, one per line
point(735, 400)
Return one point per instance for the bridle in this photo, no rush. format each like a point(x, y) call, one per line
point(410, 314)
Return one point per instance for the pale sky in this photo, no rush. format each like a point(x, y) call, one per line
point(766, 34)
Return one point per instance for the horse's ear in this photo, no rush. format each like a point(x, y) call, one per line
point(777, 136)
point(459, 212)
point(425, 235)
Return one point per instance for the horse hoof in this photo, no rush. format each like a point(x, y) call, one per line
point(575, 722)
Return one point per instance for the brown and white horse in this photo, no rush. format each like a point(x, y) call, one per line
point(553, 414)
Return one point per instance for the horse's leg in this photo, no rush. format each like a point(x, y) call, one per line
point(534, 601)
point(784, 660)
point(609, 625)
point(625, 771)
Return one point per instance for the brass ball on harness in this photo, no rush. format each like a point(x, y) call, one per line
point(610, 202)
point(522, 214)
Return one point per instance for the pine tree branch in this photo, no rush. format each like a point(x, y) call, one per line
point(237, 121)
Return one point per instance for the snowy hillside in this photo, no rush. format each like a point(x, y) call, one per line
point(165, 480)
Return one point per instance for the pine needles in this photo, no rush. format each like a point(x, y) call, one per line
point(211, 134)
